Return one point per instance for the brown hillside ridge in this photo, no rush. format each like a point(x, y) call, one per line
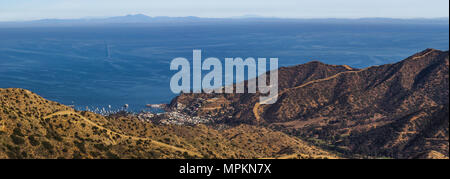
point(33, 127)
point(396, 110)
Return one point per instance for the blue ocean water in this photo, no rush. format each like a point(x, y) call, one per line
point(97, 66)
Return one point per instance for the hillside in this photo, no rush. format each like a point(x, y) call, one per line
point(398, 110)
point(33, 127)
point(395, 110)
point(238, 108)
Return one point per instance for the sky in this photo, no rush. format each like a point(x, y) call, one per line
point(18, 10)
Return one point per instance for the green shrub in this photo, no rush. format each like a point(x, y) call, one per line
point(77, 155)
point(53, 135)
point(111, 155)
point(47, 146)
point(17, 132)
point(80, 145)
point(33, 141)
point(101, 147)
point(17, 140)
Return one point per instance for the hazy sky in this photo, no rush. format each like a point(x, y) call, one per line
point(38, 9)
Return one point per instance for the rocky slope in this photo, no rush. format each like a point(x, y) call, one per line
point(395, 110)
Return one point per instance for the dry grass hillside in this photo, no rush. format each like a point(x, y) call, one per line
point(33, 127)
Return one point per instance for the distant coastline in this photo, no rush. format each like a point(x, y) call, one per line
point(141, 19)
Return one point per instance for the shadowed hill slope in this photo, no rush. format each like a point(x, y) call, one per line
point(32, 127)
point(238, 108)
point(395, 110)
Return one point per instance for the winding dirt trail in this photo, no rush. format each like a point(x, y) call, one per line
point(257, 104)
point(59, 113)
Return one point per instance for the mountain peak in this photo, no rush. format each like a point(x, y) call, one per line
point(425, 53)
point(137, 15)
point(130, 18)
point(364, 108)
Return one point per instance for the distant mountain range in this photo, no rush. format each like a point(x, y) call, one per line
point(143, 19)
